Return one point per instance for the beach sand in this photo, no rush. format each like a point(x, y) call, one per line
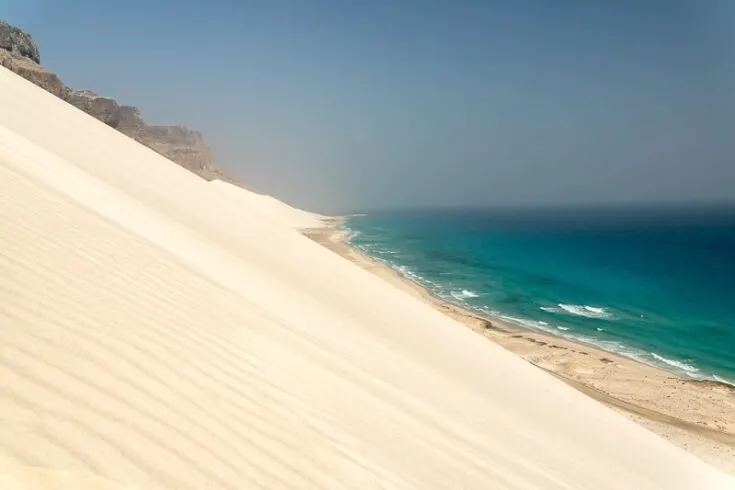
point(698, 416)
point(160, 331)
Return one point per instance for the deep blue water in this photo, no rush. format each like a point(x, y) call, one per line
point(657, 285)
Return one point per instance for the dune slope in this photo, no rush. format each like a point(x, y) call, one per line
point(273, 209)
point(160, 331)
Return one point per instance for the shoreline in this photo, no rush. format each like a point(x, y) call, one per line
point(507, 323)
point(697, 415)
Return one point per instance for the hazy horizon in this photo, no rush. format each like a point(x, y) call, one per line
point(341, 108)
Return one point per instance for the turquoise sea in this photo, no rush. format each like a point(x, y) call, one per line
point(656, 285)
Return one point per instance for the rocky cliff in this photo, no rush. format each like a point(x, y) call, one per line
point(19, 53)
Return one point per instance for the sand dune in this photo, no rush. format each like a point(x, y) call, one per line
point(160, 331)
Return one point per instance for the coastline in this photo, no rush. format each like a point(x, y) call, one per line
point(698, 416)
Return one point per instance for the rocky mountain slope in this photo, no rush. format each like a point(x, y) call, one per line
point(19, 53)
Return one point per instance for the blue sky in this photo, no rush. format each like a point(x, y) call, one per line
point(346, 105)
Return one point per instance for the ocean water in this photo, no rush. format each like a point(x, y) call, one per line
point(656, 285)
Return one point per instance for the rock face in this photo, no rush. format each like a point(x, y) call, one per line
point(177, 143)
point(19, 53)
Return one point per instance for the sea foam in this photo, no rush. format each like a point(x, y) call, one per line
point(532, 324)
point(687, 368)
point(463, 295)
point(579, 310)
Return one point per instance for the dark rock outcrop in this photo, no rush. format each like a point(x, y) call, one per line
point(19, 53)
point(18, 42)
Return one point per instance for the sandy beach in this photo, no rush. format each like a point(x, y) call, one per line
point(698, 416)
point(159, 331)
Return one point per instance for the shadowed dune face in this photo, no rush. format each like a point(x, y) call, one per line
point(160, 331)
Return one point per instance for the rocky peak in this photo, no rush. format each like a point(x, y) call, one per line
point(18, 43)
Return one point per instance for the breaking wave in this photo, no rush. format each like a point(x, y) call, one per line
point(687, 368)
point(463, 295)
point(580, 310)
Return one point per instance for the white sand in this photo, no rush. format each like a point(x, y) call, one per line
point(274, 210)
point(159, 331)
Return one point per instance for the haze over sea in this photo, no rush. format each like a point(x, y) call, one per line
point(653, 284)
